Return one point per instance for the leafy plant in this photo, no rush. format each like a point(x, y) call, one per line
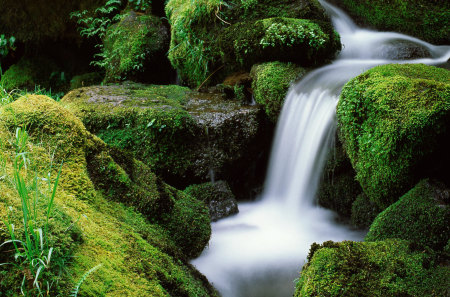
point(140, 5)
point(6, 44)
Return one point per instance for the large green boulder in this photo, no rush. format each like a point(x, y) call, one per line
point(223, 38)
point(393, 122)
point(383, 268)
point(185, 136)
point(109, 209)
point(135, 48)
point(420, 216)
point(424, 19)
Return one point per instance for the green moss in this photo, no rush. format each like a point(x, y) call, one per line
point(424, 19)
point(306, 42)
point(364, 211)
point(270, 84)
point(384, 268)
point(142, 255)
point(420, 216)
point(393, 122)
point(136, 44)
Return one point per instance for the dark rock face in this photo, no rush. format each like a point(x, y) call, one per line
point(217, 196)
point(187, 137)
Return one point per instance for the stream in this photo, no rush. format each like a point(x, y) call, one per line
point(260, 251)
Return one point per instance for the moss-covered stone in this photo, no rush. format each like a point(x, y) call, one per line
point(135, 48)
point(182, 135)
point(421, 216)
point(338, 189)
point(306, 42)
point(393, 122)
point(425, 19)
point(384, 268)
point(100, 190)
point(219, 34)
point(270, 84)
point(364, 211)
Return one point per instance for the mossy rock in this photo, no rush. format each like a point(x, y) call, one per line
point(182, 135)
point(393, 122)
point(135, 48)
point(270, 84)
point(217, 30)
point(96, 219)
point(424, 19)
point(85, 80)
point(421, 216)
point(364, 211)
point(306, 42)
point(383, 268)
point(338, 189)
point(218, 196)
point(29, 73)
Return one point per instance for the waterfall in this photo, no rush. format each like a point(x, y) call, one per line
point(260, 251)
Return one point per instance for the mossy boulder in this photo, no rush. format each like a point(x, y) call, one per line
point(270, 84)
point(420, 216)
point(228, 37)
point(383, 268)
point(96, 219)
point(218, 196)
point(338, 189)
point(306, 42)
point(363, 211)
point(393, 122)
point(424, 19)
point(184, 136)
point(135, 48)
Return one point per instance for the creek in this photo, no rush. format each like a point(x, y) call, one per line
point(260, 251)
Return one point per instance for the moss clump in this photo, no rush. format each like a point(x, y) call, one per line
point(137, 44)
point(393, 122)
point(141, 254)
point(421, 216)
point(270, 84)
point(384, 268)
point(425, 19)
point(306, 42)
point(208, 35)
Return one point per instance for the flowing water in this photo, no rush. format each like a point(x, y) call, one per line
point(260, 251)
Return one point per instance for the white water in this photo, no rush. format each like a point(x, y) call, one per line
point(260, 251)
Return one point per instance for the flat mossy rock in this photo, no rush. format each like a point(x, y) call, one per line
point(217, 196)
point(135, 48)
point(270, 84)
point(109, 209)
point(383, 268)
point(183, 135)
point(424, 19)
point(422, 216)
point(220, 34)
point(393, 121)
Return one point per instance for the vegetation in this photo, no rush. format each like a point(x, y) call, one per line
point(383, 268)
point(270, 84)
point(424, 19)
point(393, 120)
point(420, 216)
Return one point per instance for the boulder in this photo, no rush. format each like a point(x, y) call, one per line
point(393, 122)
point(184, 136)
point(383, 268)
point(109, 209)
point(218, 196)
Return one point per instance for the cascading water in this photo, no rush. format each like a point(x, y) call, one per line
point(260, 251)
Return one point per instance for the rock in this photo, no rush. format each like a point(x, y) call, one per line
point(217, 196)
point(383, 268)
point(232, 40)
point(135, 48)
point(270, 85)
point(401, 50)
point(393, 122)
point(364, 212)
point(85, 80)
point(183, 135)
point(109, 209)
point(420, 216)
point(424, 19)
